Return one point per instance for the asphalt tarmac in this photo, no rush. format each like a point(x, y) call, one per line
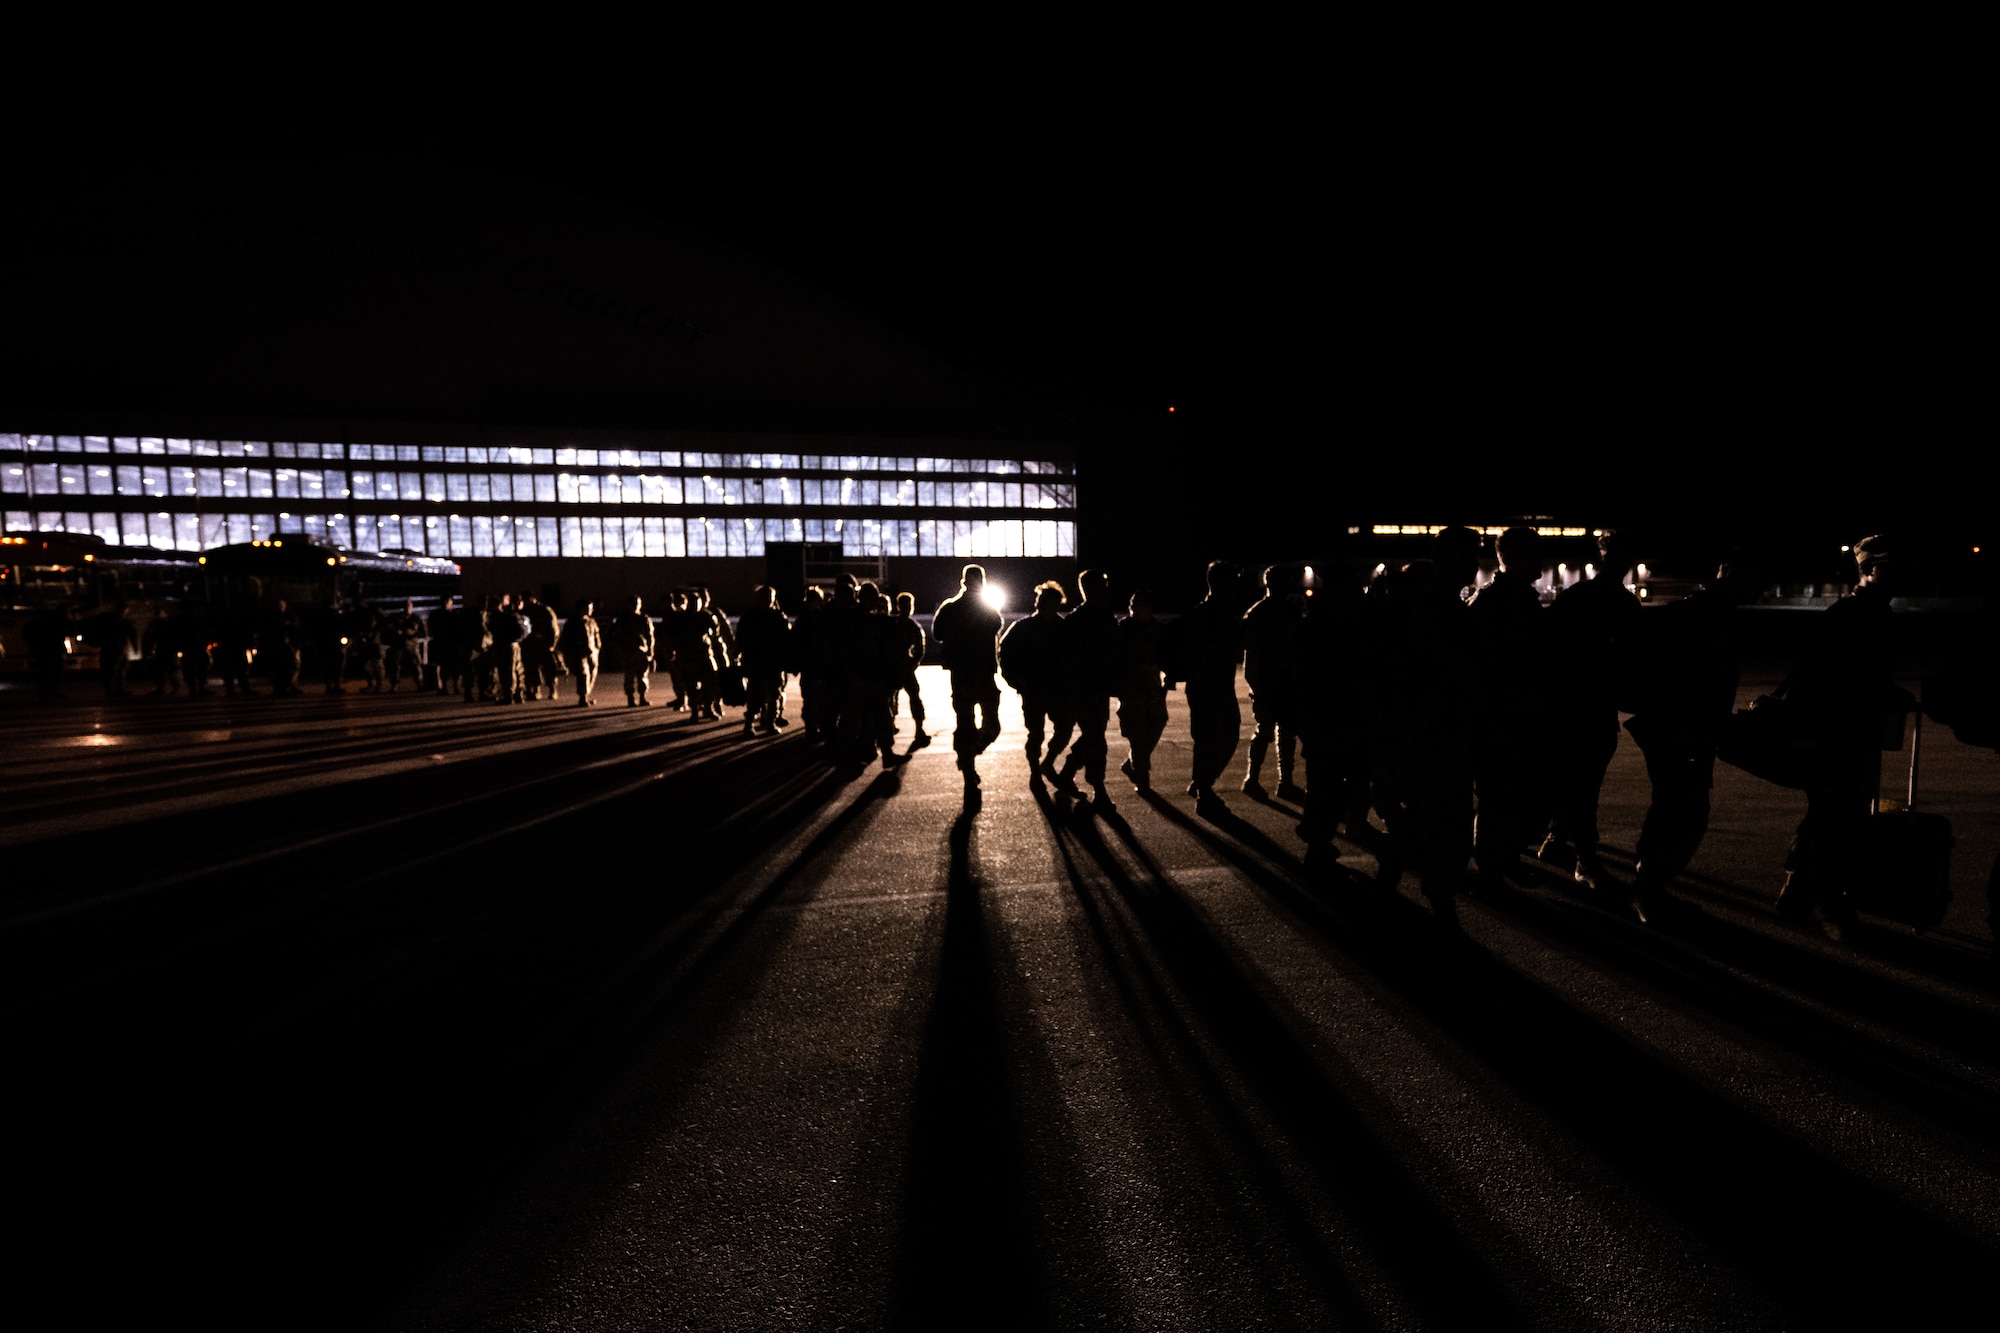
point(401, 1013)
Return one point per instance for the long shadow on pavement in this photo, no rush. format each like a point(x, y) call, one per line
point(1789, 1216)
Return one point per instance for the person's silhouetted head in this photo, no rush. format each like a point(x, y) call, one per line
point(1142, 604)
point(1223, 579)
point(1092, 583)
point(906, 604)
point(814, 597)
point(1455, 555)
point(584, 606)
point(1049, 598)
point(1519, 550)
point(973, 578)
point(1614, 556)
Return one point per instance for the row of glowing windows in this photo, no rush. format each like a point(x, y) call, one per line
point(1491, 530)
point(519, 456)
point(150, 481)
point(458, 536)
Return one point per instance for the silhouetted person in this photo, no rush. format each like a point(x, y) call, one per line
point(443, 631)
point(1432, 718)
point(1270, 637)
point(117, 641)
point(1593, 629)
point(1511, 746)
point(538, 650)
point(1031, 663)
point(812, 653)
point(407, 633)
point(1333, 710)
point(910, 645)
point(1092, 671)
point(236, 646)
point(368, 644)
point(678, 644)
point(632, 638)
point(1840, 692)
point(162, 648)
point(762, 637)
point(878, 649)
point(968, 630)
point(473, 645)
point(1205, 650)
point(1684, 697)
point(278, 643)
point(508, 629)
point(580, 642)
point(1142, 696)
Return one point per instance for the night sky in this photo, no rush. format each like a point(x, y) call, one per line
point(1701, 328)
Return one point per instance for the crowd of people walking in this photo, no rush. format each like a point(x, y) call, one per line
point(1476, 726)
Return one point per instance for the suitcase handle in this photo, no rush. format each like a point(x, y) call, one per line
point(1916, 745)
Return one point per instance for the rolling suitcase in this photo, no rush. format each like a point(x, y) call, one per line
point(1909, 855)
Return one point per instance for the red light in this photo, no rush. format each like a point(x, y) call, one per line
point(1170, 407)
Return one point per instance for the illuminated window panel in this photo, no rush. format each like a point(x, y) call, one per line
point(105, 527)
point(503, 535)
point(592, 533)
point(239, 529)
point(547, 542)
point(482, 534)
point(614, 537)
point(676, 539)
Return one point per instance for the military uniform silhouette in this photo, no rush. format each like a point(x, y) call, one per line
point(1594, 628)
point(1091, 675)
point(632, 637)
point(1142, 697)
point(1511, 746)
point(1031, 663)
point(1270, 638)
point(968, 630)
point(1206, 649)
point(580, 642)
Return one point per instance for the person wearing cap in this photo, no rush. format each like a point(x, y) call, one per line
point(1840, 692)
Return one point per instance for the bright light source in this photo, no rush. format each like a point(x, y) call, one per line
point(994, 597)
